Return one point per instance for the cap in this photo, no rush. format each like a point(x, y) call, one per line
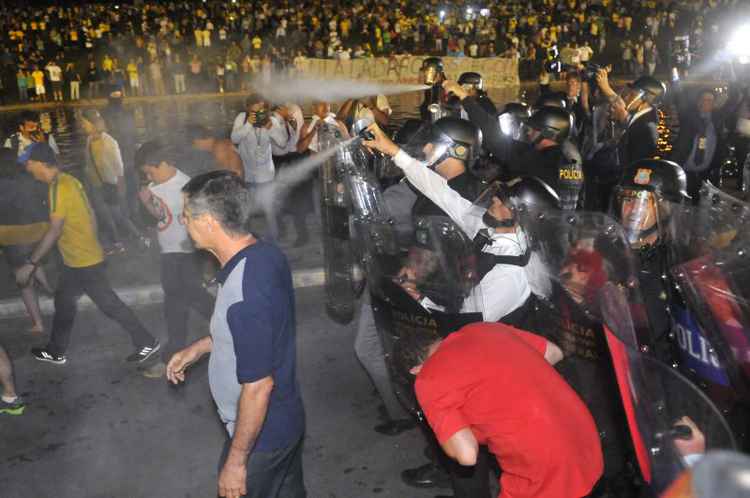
point(38, 151)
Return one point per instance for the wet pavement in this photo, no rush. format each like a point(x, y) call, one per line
point(95, 428)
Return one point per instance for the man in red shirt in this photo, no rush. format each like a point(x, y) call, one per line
point(492, 384)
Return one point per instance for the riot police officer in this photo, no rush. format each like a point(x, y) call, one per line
point(624, 129)
point(636, 113)
point(474, 85)
point(432, 74)
point(643, 202)
point(540, 153)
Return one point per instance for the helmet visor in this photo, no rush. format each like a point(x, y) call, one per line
point(637, 212)
point(510, 125)
point(430, 75)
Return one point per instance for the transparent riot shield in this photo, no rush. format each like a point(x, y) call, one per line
point(340, 277)
point(716, 288)
point(672, 422)
point(709, 310)
point(422, 285)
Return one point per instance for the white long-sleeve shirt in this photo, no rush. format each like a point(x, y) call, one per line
point(504, 288)
point(254, 146)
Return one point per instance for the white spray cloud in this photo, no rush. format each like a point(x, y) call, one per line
point(284, 88)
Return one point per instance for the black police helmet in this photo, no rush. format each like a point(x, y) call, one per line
point(652, 88)
point(531, 193)
point(554, 99)
point(517, 109)
point(553, 123)
point(473, 79)
point(408, 131)
point(466, 137)
point(662, 177)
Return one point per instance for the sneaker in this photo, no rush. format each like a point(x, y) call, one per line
point(42, 354)
point(156, 371)
point(13, 408)
point(143, 353)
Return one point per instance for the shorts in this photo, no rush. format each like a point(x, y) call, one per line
point(57, 86)
point(40, 90)
point(16, 255)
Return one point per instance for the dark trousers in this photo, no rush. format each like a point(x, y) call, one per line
point(298, 201)
point(471, 482)
point(273, 474)
point(91, 280)
point(181, 281)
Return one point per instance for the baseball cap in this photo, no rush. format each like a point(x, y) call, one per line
point(38, 151)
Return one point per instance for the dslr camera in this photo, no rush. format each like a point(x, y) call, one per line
point(261, 118)
point(556, 66)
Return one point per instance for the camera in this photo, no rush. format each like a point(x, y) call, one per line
point(261, 118)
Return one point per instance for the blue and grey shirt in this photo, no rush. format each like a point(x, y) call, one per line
point(253, 332)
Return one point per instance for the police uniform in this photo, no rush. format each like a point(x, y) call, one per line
point(550, 164)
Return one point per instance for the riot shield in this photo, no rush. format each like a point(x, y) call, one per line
point(715, 287)
point(710, 309)
point(579, 254)
point(422, 285)
point(340, 273)
point(672, 423)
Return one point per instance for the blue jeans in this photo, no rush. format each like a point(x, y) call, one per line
point(273, 474)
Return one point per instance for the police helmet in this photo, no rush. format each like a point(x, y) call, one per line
point(642, 200)
point(407, 131)
point(530, 193)
point(652, 90)
point(471, 79)
point(553, 123)
point(554, 99)
point(464, 138)
point(510, 119)
point(662, 177)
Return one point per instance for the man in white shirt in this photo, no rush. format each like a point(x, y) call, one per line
point(55, 77)
point(179, 263)
point(251, 134)
point(504, 288)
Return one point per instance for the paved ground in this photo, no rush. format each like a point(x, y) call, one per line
point(94, 428)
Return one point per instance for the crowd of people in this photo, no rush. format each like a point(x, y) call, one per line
point(502, 344)
point(154, 48)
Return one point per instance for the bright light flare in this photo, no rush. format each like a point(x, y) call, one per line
point(739, 44)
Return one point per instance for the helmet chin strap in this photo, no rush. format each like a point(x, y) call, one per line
point(493, 222)
point(643, 234)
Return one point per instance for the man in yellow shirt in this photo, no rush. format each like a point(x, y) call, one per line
point(73, 230)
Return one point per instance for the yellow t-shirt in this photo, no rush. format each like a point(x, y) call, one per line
point(78, 244)
point(38, 78)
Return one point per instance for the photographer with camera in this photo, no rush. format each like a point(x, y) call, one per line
point(251, 134)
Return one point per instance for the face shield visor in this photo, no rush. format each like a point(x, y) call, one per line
point(638, 213)
point(633, 97)
point(431, 146)
point(430, 75)
point(494, 207)
point(510, 125)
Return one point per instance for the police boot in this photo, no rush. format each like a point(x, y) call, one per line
point(429, 475)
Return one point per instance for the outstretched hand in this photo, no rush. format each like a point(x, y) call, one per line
point(381, 142)
point(453, 87)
